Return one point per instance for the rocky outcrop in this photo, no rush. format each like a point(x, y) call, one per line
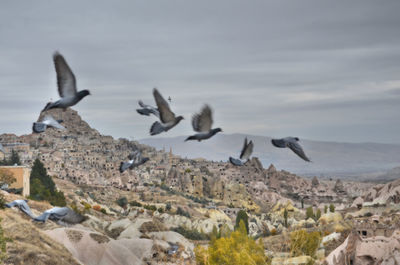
point(378, 250)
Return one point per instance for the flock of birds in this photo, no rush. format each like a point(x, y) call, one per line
point(201, 122)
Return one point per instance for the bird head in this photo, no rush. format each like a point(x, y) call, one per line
point(83, 93)
point(217, 130)
point(179, 118)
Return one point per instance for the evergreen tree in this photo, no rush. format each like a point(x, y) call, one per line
point(242, 215)
point(42, 186)
point(14, 159)
point(302, 203)
point(318, 215)
point(332, 208)
point(326, 209)
point(285, 216)
point(310, 213)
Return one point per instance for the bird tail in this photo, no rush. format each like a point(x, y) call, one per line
point(235, 162)
point(156, 128)
point(38, 127)
point(143, 112)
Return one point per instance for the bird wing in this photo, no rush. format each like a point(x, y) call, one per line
point(50, 121)
point(138, 157)
point(166, 115)
point(295, 147)
point(23, 206)
point(43, 217)
point(247, 151)
point(65, 77)
point(133, 155)
point(202, 121)
point(142, 104)
point(243, 148)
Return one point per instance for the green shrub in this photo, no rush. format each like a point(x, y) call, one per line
point(3, 244)
point(2, 201)
point(135, 203)
point(103, 211)
point(182, 212)
point(150, 207)
point(191, 234)
point(122, 201)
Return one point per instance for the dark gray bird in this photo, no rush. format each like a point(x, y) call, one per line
point(167, 117)
point(63, 214)
point(22, 205)
point(66, 83)
point(135, 160)
point(292, 143)
point(47, 121)
point(201, 123)
point(245, 154)
point(147, 110)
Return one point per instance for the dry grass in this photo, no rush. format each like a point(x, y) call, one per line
point(29, 245)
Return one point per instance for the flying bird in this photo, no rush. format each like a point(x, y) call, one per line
point(168, 120)
point(292, 143)
point(66, 83)
point(22, 205)
point(245, 154)
point(147, 110)
point(135, 160)
point(48, 121)
point(201, 123)
point(63, 214)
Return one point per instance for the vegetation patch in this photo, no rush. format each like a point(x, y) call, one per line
point(73, 235)
point(99, 238)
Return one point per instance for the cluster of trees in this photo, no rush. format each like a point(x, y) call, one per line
point(236, 249)
point(13, 160)
point(43, 187)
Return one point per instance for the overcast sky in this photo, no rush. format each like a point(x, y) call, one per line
point(314, 69)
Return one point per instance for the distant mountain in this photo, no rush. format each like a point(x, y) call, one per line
point(329, 158)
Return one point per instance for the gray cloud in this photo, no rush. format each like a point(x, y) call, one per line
point(320, 70)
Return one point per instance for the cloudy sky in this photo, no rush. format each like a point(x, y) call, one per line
point(315, 69)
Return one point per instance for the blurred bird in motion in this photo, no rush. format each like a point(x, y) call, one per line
point(48, 121)
point(202, 123)
point(293, 144)
point(168, 120)
point(245, 154)
point(66, 83)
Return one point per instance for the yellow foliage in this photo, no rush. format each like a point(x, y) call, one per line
point(237, 249)
point(304, 243)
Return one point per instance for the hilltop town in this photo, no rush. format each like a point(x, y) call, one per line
point(175, 202)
